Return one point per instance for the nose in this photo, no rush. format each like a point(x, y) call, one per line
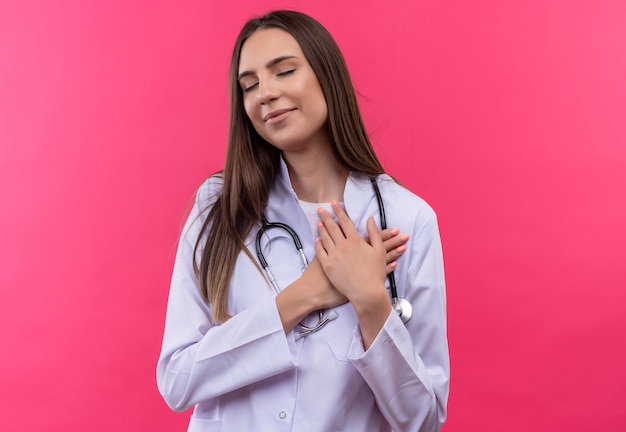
point(267, 92)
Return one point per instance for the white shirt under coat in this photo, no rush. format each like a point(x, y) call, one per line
point(247, 374)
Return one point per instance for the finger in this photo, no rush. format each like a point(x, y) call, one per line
point(345, 222)
point(391, 267)
point(325, 238)
point(388, 234)
point(334, 231)
point(394, 254)
point(320, 252)
point(375, 238)
point(395, 242)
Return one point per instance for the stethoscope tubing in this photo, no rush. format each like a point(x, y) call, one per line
point(383, 226)
point(400, 305)
point(265, 225)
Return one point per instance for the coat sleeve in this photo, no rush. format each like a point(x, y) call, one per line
point(199, 360)
point(407, 367)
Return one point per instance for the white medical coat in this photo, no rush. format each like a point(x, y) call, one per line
point(248, 375)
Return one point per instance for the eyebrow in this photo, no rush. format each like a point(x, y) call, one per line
point(268, 65)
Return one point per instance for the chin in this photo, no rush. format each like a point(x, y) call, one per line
point(287, 143)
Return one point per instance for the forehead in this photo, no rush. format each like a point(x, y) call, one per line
point(265, 45)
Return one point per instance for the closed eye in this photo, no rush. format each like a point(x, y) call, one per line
point(250, 87)
point(280, 74)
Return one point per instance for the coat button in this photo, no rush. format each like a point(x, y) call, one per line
point(282, 415)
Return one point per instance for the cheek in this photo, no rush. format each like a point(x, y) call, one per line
point(316, 96)
point(253, 113)
point(321, 107)
point(250, 108)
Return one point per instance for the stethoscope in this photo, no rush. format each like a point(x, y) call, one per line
point(402, 306)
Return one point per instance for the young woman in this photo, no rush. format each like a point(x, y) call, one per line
point(316, 343)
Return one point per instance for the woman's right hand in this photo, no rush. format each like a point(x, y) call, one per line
point(310, 292)
point(395, 245)
point(314, 291)
point(323, 294)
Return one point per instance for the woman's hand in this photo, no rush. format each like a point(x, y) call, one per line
point(356, 268)
point(314, 290)
point(395, 245)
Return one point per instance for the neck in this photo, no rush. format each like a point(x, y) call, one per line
point(316, 177)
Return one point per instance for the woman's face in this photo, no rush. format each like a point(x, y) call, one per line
point(281, 94)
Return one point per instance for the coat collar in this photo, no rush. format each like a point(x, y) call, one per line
point(358, 193)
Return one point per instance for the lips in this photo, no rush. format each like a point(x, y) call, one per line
point(277, 116)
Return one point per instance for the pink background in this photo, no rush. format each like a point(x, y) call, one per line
point(508, 117)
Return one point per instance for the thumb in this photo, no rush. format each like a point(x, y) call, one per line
point(375, 238)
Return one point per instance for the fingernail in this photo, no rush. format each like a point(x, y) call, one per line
point(333, 203)
point(393, 265)
point(394, 231)
point(320, 210)
point(401, 248)
point(404, 237)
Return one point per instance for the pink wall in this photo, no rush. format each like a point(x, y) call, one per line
point(508, 117)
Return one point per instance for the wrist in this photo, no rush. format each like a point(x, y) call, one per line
point(373, 303)
point(292, 306)
point(372, 316)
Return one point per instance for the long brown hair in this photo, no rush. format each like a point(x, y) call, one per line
point(252, 163)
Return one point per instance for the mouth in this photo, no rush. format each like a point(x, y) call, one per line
point(277, 115)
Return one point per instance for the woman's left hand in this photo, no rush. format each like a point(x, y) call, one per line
point(354, 265)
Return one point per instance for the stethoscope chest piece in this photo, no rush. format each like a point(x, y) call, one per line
point(403, 308)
